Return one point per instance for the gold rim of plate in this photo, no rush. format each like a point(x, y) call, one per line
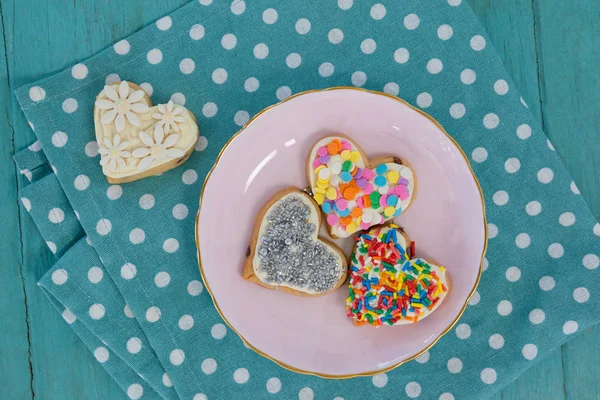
point(448, 328)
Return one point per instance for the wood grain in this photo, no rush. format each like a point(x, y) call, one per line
point(549, 47)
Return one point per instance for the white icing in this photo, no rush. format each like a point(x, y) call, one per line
point(313, 218)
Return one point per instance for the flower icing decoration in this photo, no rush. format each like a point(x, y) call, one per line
point(113, 153)
point(158, 147)
point(137, 139)
point(168, 117)
point(121, 105)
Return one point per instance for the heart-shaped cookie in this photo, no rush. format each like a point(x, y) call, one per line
point(286, 252)
point(387, 285)
point(137, 140)
point(353, 192)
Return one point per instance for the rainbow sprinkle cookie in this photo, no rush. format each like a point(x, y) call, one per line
point(353, 195)
point(387, 286)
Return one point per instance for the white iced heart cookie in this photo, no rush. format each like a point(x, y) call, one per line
point(137, 140)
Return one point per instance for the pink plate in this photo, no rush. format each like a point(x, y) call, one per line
point(314, 335)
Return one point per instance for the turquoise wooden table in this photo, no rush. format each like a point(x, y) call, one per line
point(550, 47)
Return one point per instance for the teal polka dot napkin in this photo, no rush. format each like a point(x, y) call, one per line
point(226, 61)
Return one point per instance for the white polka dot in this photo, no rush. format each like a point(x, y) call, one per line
point(154, 56)
point(171, 245)
point(187, 66)
point(566, 219)
point(261, 51)
point(335, 36)
point(270, 16)
point(219, 76)
point(197, 32)
point(500, 198)
point(445, 32)
point(273, 385)
point(122, 47)
point(359, 78)
point(112, 78)
point(128, 271)
point(147, 201)
point(251, 85)
point(523, 131)
point(496, 341)
point(411, 21)
point(468, 76)
point(475, 299)
point(180, 211)
point(70, 105)
point(81, 182)
point(101, 354)
point(504, 308)
point(591, 261)
point(146, 87)
point(570, 327)
point(326, 69)
point(68, 316)
point(176, 357)
point(218, 331)
point(545, 175)
point(556, 250)
point(513, 274)
point(59, 139)
point(200, 396)
point(135, 391)
point(581, 295)
point(368, 46)
point(194, 288)
point(596, 229)
point(137, 236)
point(164, 23)
point(550, 146)
point(523, 240)
point(162, 279)
point(477, 43)
point(229, 41)
point(380, 380)
point(485, 264)
point(378, 11)
point(488, 376)
point(37, 93)
point(423, 358)
point(303, 26)
point(501, 87)
point(293, 60)
point(463, 331)
point(241, 117)
point(435, 66)
point(491, 121)
point(283, 93)
point(60, 276)
point(238, 7)
point(134, 345)
point(413, 390)
point(153, 314)
point(26, 203)
point(345, 4)
point(306, 394)
point(424, 100)
point(209, 109)
point(391, 88)
point(91, 149)
point(492, 231)
point(454, 365)
point(533, 208)
point(574, 188)
point(479, 155)
point(205, 2)
point(79, 71)
point(447, 395)
point(401, 55)
point(186, 322)
point(457, 110)
point(201, 143)
point(178, 98)
point(454, 3)
point(547, 283)
point(96, 311)
point(189, 177)
point(35, 147)
point(529, 351)
point(209, 366)
point(56, 215)
point(51, 246)
point(166, 380)
point(512, 165)
point(95, 274)
point(128, 312)
point(241, 375)
point(537, 316)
